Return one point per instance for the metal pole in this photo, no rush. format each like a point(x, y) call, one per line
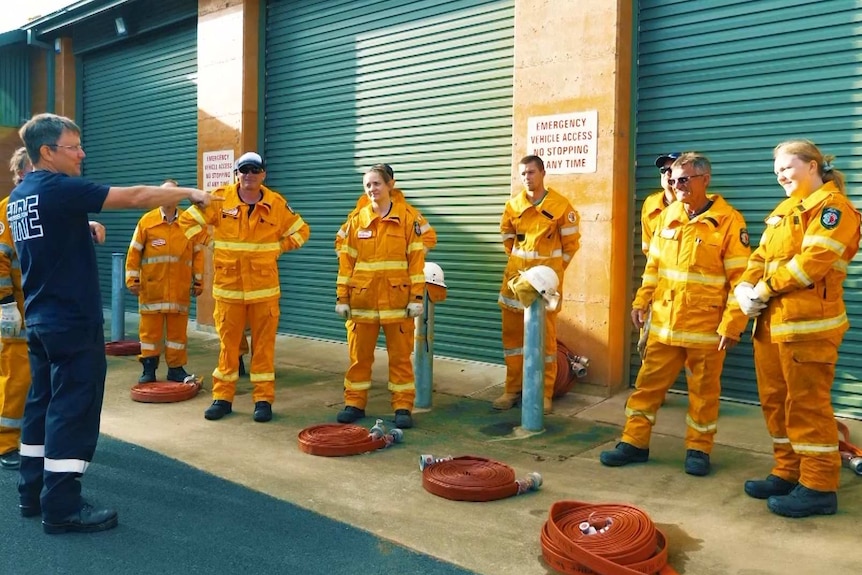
point(533, 386)
point(423, 356)
point(118, 292)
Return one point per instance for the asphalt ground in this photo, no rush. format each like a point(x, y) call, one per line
point(175, 519)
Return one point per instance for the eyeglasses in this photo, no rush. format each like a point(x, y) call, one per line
point(683, 180)
point(250, 170)
point(78, 148)
point(665, 170)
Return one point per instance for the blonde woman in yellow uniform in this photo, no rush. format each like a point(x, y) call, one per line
point(380, 284)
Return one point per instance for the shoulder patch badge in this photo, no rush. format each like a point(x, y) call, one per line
point(571, 217)
point(830, 217)
point(743, 237)
point(417, 228)
point(2, 228)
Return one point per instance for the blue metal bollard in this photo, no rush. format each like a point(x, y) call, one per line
point(533, 386)
point(118, 292)
point(423, 356)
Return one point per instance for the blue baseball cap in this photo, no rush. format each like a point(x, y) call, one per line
point(660, 161)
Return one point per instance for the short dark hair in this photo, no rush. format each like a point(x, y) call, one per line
point(531, 159)
point(44, 130)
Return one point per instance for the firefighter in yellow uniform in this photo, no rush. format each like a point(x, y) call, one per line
point(252, 226)
point(381, 283)
point(162, 269)
point(696, 257)
point(655, 203)
point(794, 283)
point(14, 361)
point(428, 234)
point(539, 227)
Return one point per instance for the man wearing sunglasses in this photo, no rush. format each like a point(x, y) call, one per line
point(696, 257)
point(252, 227)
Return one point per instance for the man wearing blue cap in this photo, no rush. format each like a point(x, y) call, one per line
point(657, 202)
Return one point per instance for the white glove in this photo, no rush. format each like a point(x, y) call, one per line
point(343, 310)
point(762, 291)
point(747, 299)
point(415, 309)
point(10, 320)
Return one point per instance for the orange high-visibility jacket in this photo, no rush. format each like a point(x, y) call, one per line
point(652, 207)
point(692, 268)
point(542, 235)
point(10, 267)
point(426, 232)
point(803, 257)
point(381, 265)
point(246, 245)
point(164, 263)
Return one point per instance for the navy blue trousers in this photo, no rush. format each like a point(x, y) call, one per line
point(62, 415)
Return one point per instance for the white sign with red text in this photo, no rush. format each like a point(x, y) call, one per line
point(218, 169)
point(565, 142)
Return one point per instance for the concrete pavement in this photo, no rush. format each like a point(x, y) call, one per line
point(712, 526)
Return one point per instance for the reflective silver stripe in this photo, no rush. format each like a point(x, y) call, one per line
point(708, 428)
point(66, 465)
point(508, 302)
point(530, 255)
point(630, 413)
point(148, 346)
point(781, 440)
point(137, 246)
point(32, 450)
point(160, 260)
point(550, 359)
point(163, 306)
point(133, 274)
point(513, 351)
point(175, 345)
point(265, 377)
point(10, 422)
point(357, 385)
point(815, 448)
point(568, 230)
point(225, 377)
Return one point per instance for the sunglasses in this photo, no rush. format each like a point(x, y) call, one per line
point(250, 170)
point(683, 180)
point(665, 170)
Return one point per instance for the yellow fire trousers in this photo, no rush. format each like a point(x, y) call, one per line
point(657, 374)
point(794, 382)
point(152, 330)
point(230, 321)
point(14, 385)
point(513, 351)
point(361, 339)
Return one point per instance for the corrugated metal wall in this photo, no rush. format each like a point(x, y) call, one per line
point(14, 85)
point(425, 87)
point(139, 124)
point(733, 78)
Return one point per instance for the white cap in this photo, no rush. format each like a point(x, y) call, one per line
point(250, 159)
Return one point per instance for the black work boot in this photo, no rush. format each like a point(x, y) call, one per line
point(403, 419)
point(262, 411)
point(802, 502)
point(150, 364)
point(86, 520)
point(177, 374)
point(766, 488)
point(350, 414)
point(696, 462)
point(218, 409)
point(623, 454)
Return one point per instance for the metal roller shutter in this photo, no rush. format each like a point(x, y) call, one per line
point(425, 87)
point(139, 125)
point(740, 78)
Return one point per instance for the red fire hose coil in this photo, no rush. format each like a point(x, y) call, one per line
point(470, 478)
point(336, 440)
point(630, 545)
point(165, 391)
point(125, 347)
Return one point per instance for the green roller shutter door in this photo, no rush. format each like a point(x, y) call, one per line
point(733, 78)
point(425, 87)
point(139, 125)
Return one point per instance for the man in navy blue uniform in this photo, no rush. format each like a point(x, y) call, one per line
point(48, 218)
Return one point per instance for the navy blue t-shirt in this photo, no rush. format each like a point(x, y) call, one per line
point(48, 218)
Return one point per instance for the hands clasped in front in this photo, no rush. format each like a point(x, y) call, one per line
point(750, 301)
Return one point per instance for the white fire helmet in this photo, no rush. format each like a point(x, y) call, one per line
point(545, 281)
point(434, 274)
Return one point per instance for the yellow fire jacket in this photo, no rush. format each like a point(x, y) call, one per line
point(426, 232)
point(246, 244)
point(10, 268)
point(543, 235)
point(381, 265)
point(652, 207)
point(692, 268)
point(803, 257)
point(163, 262)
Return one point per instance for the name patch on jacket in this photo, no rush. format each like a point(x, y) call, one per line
point(233, 212)
point(830, 217)
point(364, 234)
point(158, 242)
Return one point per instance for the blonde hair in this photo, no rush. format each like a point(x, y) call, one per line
point(19, 163)
point(807, 151)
